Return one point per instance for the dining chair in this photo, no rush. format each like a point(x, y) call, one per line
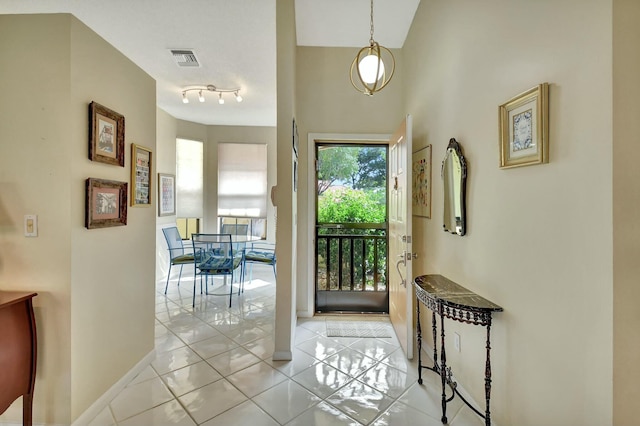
point(260, 252)
point(215, 255)
point(238, 231)
point(235, 228)
point(177, 253)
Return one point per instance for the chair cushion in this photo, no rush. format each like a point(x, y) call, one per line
point(216, 265)
point(184, 258)
point(260, 256)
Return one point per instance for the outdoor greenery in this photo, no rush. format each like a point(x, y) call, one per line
point(352, 184)
point(352, 189)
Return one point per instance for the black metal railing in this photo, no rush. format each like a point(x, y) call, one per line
point(351, 257)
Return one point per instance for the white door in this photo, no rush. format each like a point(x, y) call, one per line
point(400, 278)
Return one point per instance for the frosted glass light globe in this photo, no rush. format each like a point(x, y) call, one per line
point(368, 66)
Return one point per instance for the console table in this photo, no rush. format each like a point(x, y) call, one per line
point(17, 351)
point(450, 300)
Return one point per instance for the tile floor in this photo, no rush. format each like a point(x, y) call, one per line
point(213, 367)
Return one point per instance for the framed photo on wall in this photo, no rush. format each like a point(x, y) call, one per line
point(106, 203)
point(295, 138)
point(106, 135)
point(141, 167)
point(421, 182)
point(166, 194)
point(524, 128)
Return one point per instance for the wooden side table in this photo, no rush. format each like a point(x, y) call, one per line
point(450, 300)
point(18, 351)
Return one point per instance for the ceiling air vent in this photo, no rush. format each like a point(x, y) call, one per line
point(185, 57)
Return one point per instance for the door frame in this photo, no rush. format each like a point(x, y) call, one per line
point(312, 138)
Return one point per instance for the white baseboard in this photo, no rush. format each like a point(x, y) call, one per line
point(304, 314)
point(282, 356)
point(102, 402)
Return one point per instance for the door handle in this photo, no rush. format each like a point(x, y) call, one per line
point(403, 282)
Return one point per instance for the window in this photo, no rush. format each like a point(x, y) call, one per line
point(257, 227)
point(242, 180)
point(189, 186)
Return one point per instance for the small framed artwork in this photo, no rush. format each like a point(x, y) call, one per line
point(421, 182)
point(106, 203)
point(140, 175)
point(106, 135)
point(524, 128)
point(294, 132)
point(295, 175)
point(166, 194)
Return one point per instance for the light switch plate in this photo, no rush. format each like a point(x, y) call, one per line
point(30, 225)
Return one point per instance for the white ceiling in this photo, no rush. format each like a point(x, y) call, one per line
point(234, 40)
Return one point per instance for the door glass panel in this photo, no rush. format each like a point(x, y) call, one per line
point(351, 228)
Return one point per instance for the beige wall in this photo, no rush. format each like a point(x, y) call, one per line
point(88, 336)
point(285, 198)
point(35, 178)
point(626, 206)
point(539, 237)
point(166, 130)
point(327, 103)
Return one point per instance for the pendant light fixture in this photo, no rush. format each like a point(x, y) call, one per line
point(373, 66)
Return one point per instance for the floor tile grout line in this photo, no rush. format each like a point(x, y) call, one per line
point(352, 378)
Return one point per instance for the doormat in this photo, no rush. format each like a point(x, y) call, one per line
point(358, 329)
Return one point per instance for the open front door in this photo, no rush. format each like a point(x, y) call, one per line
point(400, 255)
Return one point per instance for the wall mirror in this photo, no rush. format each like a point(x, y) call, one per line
point(454, 176)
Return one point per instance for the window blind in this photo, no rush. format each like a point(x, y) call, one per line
point(189, 178)
point(242, 179)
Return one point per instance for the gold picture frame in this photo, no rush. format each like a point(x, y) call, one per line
point(106, 135)
point(524, 128)
point(141, 180)
point(106, 203)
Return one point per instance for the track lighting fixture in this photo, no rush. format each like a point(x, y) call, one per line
point(210, 88)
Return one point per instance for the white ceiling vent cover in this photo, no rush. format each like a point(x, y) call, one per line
point(185, 57)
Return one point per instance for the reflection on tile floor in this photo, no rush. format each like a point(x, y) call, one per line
point(213, 367)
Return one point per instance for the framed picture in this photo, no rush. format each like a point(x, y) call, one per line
point(294, 132)
point(421, 182)
point(166, 194)
point(524, 128)
point(106, 135)
point(140, 175)
point(106, 203)
point(295, 175)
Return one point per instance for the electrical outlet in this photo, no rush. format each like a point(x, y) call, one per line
point(456, 341)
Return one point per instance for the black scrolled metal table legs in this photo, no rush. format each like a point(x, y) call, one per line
point(487, 375)
point(419, 337)
point(450, 300)
point(443, 369)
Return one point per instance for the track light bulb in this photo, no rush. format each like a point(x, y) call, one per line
point(200, 97)
point(220, 100)
point(184, 98)
point(238, 97)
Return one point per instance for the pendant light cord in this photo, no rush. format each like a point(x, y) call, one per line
point(371, 39)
